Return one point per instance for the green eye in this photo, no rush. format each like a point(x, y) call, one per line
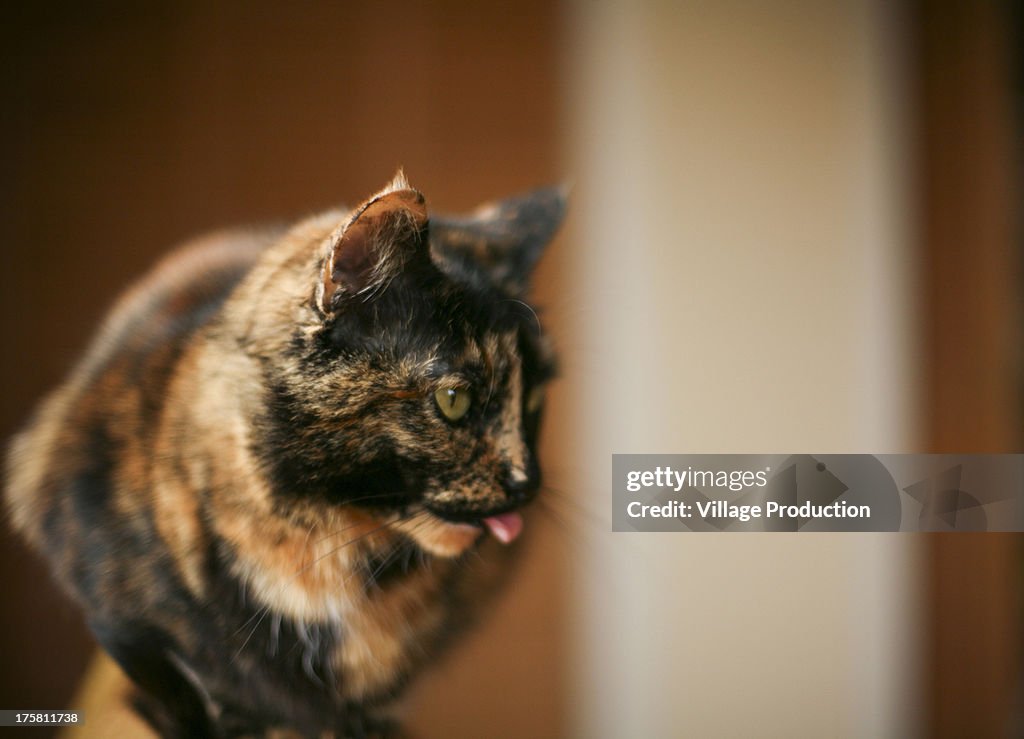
point(534, 400)
point(453, 402)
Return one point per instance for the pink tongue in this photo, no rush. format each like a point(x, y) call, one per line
point(505, 527)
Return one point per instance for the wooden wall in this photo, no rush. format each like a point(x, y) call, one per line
point(970, 232)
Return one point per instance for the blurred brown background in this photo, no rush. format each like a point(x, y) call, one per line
point(969, 131)
point(127, 129)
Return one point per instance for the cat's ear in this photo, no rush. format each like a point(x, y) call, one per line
point(377, 241)
point(503, 239)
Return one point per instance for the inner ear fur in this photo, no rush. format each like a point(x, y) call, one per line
point(375, 243)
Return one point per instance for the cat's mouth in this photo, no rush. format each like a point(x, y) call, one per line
point(450, 531)
point(505, 524)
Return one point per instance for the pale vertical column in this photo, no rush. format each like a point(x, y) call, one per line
point(742, 283)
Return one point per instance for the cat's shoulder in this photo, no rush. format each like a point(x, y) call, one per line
point(135, 346)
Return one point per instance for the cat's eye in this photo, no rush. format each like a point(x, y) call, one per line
point(535, 399)
point(453, 402)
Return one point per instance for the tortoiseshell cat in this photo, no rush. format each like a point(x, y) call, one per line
point(268, 481)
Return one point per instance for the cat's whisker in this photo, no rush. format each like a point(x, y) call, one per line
point(337, 549)
point(579, 546)
point(371, 580)
point(598, 524)
point(530, 308)
point(563, 524)
point(553, 494)
point(586, 523)
point(248, 621)
point(305, 542)
point(404, 545)
point(263, 614)
point(335, 532)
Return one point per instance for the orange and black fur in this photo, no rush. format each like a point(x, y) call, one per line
point(279, 481)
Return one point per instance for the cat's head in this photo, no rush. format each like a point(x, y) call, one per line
point(414, 388)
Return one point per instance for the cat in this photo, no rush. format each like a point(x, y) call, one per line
point(280, 480)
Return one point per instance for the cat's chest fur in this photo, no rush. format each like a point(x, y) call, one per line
point(278, 480)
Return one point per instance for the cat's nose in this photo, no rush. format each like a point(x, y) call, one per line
point(520, 485)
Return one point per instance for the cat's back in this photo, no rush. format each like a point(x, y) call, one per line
point(65, 458)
